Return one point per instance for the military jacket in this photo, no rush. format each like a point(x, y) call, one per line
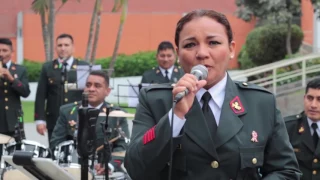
point(51, 90)
point(251, 142)
point(301, 139)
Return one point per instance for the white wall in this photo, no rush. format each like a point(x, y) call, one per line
point(114, 83)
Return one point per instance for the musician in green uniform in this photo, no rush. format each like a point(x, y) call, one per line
point(221, 129)
point(13, 85)
point(97, 86)
point(166, 71)
point(304, 131)
point(52, 91)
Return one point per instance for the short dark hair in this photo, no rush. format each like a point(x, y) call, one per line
point(164, 45)
point(313, 84)
point(102, 74)
point(65, 36)
point(6, 41)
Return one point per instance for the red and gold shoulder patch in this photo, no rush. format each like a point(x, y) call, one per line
point(236, 105)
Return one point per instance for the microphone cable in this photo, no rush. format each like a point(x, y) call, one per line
point(171, 140)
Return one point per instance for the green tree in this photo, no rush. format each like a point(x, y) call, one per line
point(274, 11)
point(47, 12)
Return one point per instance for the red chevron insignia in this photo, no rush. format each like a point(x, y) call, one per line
point(149, 135)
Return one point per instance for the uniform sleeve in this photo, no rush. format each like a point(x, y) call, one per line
point(60, 130)
point(41, 96)
point(280, 160)
point(149, 149)
point(21, 84)
point(144, 79)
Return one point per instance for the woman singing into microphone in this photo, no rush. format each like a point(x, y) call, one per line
point(222, 129)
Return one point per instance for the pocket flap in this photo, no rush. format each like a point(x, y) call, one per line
point(251, 157)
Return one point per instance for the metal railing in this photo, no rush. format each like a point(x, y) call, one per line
point(283, 76)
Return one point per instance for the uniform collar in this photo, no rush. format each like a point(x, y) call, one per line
point(217, 92)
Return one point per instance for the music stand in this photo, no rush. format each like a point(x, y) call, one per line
point(37, 168)
point(133, 93)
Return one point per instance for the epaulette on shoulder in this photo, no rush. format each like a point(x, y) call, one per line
point(167, 86)
point(245, 85)
point(294, 117)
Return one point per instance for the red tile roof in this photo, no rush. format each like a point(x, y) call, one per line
point(10, 8)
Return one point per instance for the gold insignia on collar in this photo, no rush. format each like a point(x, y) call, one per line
point(111, 105)
point(13, 68)
point(74, 66)
point(72, 123)
point(55, 66)
point(236, 106)
point(153, 68)
point(296, 150)
point(301, 129)
point(175, 70)
point(157, 71)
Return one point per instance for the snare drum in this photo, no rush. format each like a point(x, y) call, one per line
point(112, 176)
point(66, 157)
point(38, 149)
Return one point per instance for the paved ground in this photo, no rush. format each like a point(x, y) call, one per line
point(32, 134)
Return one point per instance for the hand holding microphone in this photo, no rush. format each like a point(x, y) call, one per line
point(187, 87)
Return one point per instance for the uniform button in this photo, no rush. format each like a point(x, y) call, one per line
point(254, 161)
point(315, 160)
point(6, 107)
point(214, 164)
point(66, 100)
point(75, 102)
point(5, 91)
point(314, 172)
point(6, 99)
point(5, 83)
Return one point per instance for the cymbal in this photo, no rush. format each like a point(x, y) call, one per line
point(118, 113)
point(4, 139)
point(120, 153)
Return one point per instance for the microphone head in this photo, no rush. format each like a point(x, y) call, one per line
point(200, 71)
point(85, 101)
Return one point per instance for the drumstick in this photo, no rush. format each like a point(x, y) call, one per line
point(111, 141)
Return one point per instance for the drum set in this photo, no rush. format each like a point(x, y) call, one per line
point(64, 155)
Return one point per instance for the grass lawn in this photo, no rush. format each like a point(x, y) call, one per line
point(28, 110)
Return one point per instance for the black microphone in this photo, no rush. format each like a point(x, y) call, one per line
point(201, 72)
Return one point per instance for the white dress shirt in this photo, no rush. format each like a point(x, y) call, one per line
point(311, 129)
point(69, 62)
point(163, 71)
point(217, 93)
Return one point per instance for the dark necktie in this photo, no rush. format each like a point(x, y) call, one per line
point(167, 78)
point(207, 112)
point(315, 134)
point(4, 66)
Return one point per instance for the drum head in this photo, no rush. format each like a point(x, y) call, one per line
point(76, 172)
point(117, 176)
point(14, 175)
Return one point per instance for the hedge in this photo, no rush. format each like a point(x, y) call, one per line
point(267, 44)
point(126, 65)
